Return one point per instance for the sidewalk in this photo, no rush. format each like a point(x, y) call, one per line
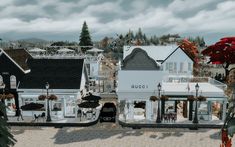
point(56, 122)
point(179, 123)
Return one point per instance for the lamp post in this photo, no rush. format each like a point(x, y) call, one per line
point(48, 108)
point(195, 119)
point(158, 107)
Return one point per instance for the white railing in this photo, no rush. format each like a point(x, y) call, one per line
point(189, 79)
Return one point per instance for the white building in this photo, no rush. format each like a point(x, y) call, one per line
point(67, 80)
point(144, 67)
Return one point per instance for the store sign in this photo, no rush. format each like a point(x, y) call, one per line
point(139, 86)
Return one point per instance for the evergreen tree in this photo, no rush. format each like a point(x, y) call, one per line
point(6, 138)
point(85, 39)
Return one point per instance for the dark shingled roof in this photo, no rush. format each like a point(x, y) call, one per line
point(59, 73)
point(20, 56)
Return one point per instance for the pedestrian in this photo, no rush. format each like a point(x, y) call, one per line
point(20, 115)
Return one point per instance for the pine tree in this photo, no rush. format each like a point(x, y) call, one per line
point(85, 39)
point(6, 138)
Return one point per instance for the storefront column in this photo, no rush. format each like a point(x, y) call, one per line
point(162, 107)
point(190, 117)
point(224, 110)
point(176, 106)
point(131, 110)
point(209, 109)
point(148, 110)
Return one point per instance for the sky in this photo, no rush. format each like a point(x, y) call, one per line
point(63, 19)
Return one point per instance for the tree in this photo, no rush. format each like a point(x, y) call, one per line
point(6, 138)
point(85, 38)
point(222, 52)
point(190, 48)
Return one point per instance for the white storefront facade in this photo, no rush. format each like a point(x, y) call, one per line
point(144, 67)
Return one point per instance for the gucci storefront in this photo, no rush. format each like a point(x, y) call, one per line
point(134, 91)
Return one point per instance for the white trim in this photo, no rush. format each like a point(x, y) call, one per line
point(14, 61)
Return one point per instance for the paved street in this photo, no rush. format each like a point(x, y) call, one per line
point(110, 135)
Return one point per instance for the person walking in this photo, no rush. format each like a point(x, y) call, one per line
point(20, 115)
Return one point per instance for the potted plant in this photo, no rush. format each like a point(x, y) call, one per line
point(153, 98)
point(42, 97)
point(201, 98)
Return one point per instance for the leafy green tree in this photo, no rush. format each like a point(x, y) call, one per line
point(6, 138)
point(85, 38)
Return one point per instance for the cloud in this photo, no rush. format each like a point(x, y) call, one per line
point(110, 17)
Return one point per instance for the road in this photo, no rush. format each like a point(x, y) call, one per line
point(111, 135)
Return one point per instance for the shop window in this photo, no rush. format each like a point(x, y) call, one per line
point(13, 82)
point(27, 101)
point(56, 105)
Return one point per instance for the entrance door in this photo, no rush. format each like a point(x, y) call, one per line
point(70, 107)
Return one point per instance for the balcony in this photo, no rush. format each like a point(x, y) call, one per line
point(190, 79)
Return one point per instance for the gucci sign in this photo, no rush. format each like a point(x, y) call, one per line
point(139, 86)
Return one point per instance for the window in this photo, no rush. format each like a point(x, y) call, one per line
point(189, 66)
point(27, 101)
point(175, 67)
point(1, 80)
point(13, 82)
point(171, 67)
point(167, 66)
point(181, 67)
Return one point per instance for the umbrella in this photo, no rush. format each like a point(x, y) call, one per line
point(32, 106)
point(65, 50)
point(88, 105)
point(91, 97)
point(95, 50)
point(36, 50)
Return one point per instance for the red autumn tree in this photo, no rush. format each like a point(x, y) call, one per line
point(191, 49)
point(222, 52)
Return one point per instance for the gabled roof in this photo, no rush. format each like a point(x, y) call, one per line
point(19, 57)
point(59, 73)
point(175, 51)
point(158, 53)
point(155, 52)
point(139, 60)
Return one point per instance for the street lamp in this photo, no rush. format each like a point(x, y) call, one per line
point(48, 108)
point(158, 107)
point(195, 119)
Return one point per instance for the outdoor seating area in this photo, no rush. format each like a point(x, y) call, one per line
point(169, 117)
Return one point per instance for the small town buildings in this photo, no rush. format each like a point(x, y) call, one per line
point(13, 68)
point(144, 67)
point(67, 80)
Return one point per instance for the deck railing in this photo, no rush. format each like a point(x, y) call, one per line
point(185, 79)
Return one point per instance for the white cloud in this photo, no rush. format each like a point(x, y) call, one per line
point(143, 15)
point(187, 5)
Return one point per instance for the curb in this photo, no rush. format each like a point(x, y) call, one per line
point(56, 125)
point(162, 125)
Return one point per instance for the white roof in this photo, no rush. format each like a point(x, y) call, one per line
point(65, 50)
point(205, 89)
point(95, 50)
point(37, 50)
point(155, 52)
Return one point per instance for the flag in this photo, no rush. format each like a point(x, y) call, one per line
point(188, 87)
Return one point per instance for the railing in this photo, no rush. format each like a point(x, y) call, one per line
point(188, 79)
